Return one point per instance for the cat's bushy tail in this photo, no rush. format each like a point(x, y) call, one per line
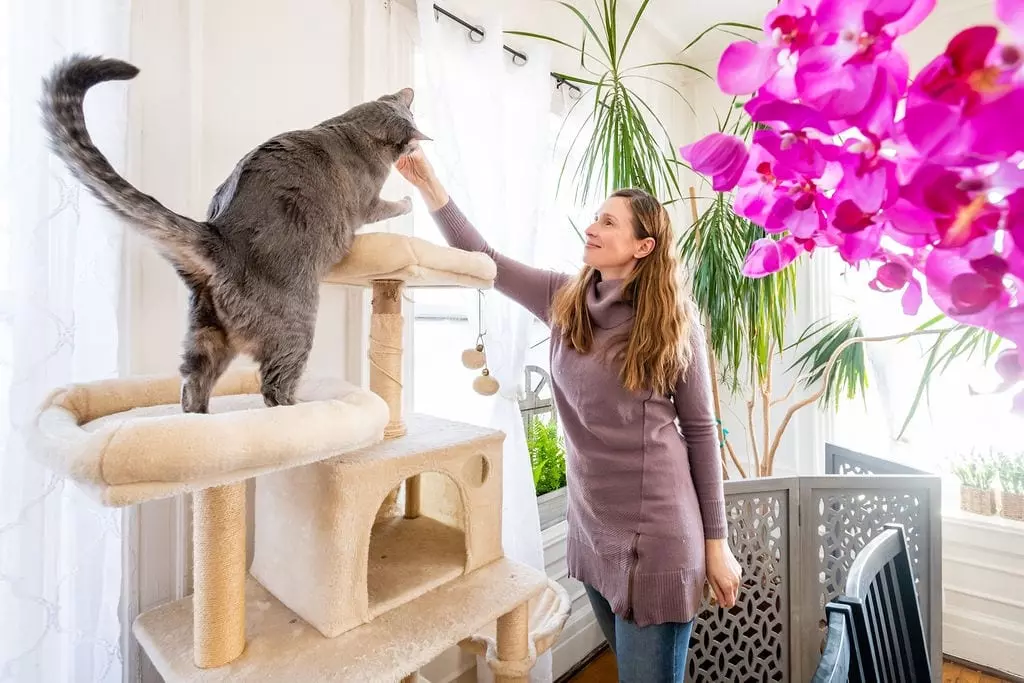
point(178, 238)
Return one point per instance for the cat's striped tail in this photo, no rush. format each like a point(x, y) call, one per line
point(178, 238)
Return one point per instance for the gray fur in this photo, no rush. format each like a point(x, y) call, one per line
point(286, 214)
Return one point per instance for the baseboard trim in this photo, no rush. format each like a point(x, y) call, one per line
point(584, 663)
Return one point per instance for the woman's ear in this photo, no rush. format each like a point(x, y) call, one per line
point(644, 248)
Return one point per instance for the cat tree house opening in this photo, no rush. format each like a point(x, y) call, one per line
point(409, 556)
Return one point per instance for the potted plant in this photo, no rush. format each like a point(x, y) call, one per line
point(1010, 469)
point(547, 459)
point(976, 473)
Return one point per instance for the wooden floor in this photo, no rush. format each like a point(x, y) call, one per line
point(602, 670)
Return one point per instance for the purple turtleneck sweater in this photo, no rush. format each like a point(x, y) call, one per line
point(643, 473)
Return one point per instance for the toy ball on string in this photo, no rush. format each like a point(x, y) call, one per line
point(485, 384)
point(474, 358)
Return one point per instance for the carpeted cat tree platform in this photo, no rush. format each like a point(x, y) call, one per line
point(377, 539)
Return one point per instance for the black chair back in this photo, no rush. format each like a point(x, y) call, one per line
point(883, 619)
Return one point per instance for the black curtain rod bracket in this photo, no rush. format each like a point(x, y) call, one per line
point(476, 34)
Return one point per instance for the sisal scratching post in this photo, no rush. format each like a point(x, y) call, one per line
point(386, 351)
point(219, 567)
point(386, 365)
point(513, 641)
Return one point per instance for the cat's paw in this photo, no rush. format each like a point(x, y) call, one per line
point(406, 205)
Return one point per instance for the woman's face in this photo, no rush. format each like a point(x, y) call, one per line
point(612, 246)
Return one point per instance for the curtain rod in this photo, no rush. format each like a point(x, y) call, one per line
point(475, 31)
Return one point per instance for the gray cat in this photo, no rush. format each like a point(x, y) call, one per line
point(287, 213)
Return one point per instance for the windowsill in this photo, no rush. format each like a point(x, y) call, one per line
point(552, 506)
point(986, 522)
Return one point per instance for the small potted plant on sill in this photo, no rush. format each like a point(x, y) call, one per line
point(547, 458)
point(976, 473)
point(1010, 470)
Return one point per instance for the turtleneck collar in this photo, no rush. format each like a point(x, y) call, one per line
point(606, 305)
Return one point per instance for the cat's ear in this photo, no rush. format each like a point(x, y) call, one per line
point(418, 135)
point(405, 96)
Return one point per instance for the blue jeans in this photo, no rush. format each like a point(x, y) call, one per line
point(645, 654)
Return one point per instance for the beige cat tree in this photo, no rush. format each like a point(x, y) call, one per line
point(349, 581)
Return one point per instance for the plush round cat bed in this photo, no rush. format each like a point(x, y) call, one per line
point(377, 256)
point(125, 441)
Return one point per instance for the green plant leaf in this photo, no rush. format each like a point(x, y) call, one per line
point(546, 448)
point(681, 65)
point(709, 29)
point(959, 343)
point(746, 316)
point(849, 375)
point(586, 23)
point(636, 22)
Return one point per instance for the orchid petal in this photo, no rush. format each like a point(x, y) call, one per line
point(1008, 365)
point(997, 126)
point(935, 128)
point(868, 190)
point(969, 49)
point(912, 297)
point(910, 219)
point(719, 155)
point(1009, 324)
point(1018, 404)
point(801, 155)
point(795, 116)
point(1011, 13)
point(767, 256)
point(840, 15)
point(1015, 218)
point(861, 244)
point(910, 14)
point(745, 67)
point(837, 89)
point(786, 216)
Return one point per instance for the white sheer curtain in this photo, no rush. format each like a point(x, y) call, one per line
point(60, 260)
point(489, 119)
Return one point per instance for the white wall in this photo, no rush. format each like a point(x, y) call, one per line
point(983, 591)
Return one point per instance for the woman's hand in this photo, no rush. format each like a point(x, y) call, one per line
point(415, 168)
point(723, 571)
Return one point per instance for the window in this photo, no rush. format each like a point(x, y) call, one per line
point(446, 320)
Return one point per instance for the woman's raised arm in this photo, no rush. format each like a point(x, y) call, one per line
point(533, 288)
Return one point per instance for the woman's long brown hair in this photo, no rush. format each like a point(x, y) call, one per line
point(657, 348)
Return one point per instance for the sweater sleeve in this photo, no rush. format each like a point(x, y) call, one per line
point(694, 406)
point(532, 288)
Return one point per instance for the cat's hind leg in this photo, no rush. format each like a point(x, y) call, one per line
point(207, 354)
point(283, 357)
point(383, 209)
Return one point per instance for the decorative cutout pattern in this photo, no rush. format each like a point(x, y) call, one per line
point(750, 642)
point(846, 520)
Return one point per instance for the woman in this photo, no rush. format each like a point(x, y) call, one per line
point(646, 511)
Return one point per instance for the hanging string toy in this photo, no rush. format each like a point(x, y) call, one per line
point(476, 358)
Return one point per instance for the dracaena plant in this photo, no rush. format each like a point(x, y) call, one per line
point(627, 145)
point(919, 179)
